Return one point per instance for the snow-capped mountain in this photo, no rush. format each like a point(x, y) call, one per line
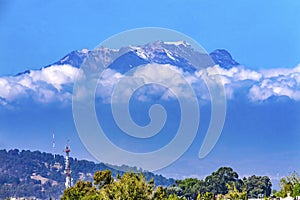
point(54, 82)
point(223, 58)
point(173, 53)
point(74, 58)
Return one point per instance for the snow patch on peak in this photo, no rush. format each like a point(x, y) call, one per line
point(65, 59)
point(135, 47)
point(177, 43)
point(169, 54)
point(84, 50)
point(139, 51)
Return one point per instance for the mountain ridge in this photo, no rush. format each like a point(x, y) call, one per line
point(175, 53)
point(39, 174)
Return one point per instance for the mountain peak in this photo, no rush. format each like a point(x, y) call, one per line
point(223, 58)
point(74, 58)
point(175, 53)
point(178, 43)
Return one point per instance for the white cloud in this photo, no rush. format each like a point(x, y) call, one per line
point(277, 82)
point(9, 89)
point(107, 83)
point(160, 80)
point(270, 73)
point(56, 75)
point(55, 83)
point(45, 85)
point(235, 73)
point(257, 85)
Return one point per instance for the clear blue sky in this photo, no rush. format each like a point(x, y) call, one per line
point(259, 34)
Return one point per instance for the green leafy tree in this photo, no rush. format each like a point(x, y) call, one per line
point(296, 190)
point(80, 190)
point(216, 182)
point(208, 196)
point(102, 178)
point(175, 197)
point(190, 187)
point(130, 186)
point(174, 190)
point(234, 193)
point(160, 193)
point(289, 185)
point(258, 186)
point(134, 186)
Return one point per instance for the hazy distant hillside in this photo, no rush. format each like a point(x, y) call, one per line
point(36, 174)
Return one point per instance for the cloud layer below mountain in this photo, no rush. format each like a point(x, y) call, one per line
point(55, 83)
point(44, 86)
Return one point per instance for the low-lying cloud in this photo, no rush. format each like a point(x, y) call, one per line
point(46, 85)
point(55, 83)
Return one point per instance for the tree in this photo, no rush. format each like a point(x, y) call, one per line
point(234, 193)
point(289, 185)
point(102, 178)
point(296, 190)
point(130, 186)
point(174, 190)
point(257, 186)
point(175, 197)
point(208, 196)
point(80, 190)
point(190, 187)
point(160, 193)
point(133, 186)
point(216, 182)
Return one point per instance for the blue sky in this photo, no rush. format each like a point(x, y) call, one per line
point(262, 122)
point(260, 34)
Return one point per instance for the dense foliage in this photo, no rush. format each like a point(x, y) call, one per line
point(225, 184)
point(130, 186)
point(221, 184)
point(289, 185)
point(258, 186)
point(36, 174)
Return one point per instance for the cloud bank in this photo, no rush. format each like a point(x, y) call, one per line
point(47, 85)
point(55, 83)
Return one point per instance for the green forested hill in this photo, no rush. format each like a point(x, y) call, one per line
point(41, 175)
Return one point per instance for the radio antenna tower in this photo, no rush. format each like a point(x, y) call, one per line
point(53, 144)
point(67, 168)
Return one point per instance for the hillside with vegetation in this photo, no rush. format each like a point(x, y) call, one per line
point(41, 175)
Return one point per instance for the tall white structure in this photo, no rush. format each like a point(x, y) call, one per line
point(53, 144)
point(67, 168)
